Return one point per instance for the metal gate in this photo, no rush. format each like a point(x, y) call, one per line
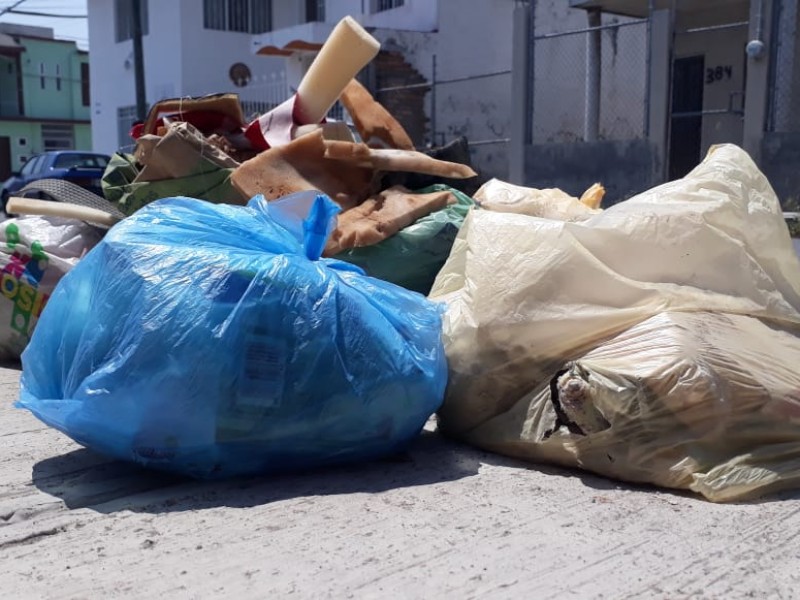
point(709, 75)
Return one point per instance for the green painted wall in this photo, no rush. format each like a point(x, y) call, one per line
point(9, 97)
point(48, 79)
point(52, 93)
point(30, 131)
point(83, 137)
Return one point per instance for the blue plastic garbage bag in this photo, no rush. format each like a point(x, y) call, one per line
point(212, 340)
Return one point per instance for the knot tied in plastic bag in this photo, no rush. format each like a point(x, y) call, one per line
point(212, 340)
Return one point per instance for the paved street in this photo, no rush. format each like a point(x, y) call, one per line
point(443, 521)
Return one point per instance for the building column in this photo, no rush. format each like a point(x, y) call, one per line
point(659, 88)
point(521, 91)
point(594, 48)
point(758, 81)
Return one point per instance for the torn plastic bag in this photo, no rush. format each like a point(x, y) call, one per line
point(212, 340)
point(501, 196)
point(708, 259)
point(414, 256)
point(35, 253)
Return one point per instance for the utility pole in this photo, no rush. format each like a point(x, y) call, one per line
point(138, 60)
point(522, 63)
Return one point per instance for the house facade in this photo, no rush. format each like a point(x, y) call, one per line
point(44, 95)
point(551, 93)
point(635, 92)
point(444, 69)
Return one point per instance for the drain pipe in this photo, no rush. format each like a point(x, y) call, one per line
point(593, 65)
point(755, 48)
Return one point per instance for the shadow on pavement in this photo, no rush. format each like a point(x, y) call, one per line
point(84, 479)
point(11, 363)
point(601, 483)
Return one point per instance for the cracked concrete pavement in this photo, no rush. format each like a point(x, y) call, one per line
point(443, 520)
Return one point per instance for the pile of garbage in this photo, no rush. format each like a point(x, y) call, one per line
point(262, 306)
point(212, 341)
point(656, 341)
point(203, 148)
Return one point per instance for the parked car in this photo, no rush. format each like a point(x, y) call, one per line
point(81, 168)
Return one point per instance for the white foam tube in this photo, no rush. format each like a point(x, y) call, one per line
point(29, 206)
point(346, 51)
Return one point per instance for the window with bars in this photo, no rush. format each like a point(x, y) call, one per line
point(382, 5)
point(58, 137)
point(123, 10)
point(315, 11)
point(245, 16)
point(126, 117)
point(85, 86)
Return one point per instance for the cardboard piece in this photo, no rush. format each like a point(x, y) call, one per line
point(383, 215)
point(301, 165)
point(182, 152)
point(218, 112)
point(376, 126)
point(395, 160)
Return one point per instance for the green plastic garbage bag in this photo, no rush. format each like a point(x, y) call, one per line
point(414, 256)
point(119, 187)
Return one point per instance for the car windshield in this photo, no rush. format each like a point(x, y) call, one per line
point(32, 163)
point(67, 161)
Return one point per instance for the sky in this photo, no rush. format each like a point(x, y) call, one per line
point(66, 29)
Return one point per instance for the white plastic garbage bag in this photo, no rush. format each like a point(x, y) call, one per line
point(35, 253)
point(551, 203)
point(655, 341)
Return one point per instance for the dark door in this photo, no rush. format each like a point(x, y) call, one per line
point(5, 158)
point(686, 127)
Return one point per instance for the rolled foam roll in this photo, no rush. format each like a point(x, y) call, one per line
point(346, 51)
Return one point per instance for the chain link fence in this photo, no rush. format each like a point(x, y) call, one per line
point(784, 114)
point(591, 84)
point(436, 110)
point(449, 99)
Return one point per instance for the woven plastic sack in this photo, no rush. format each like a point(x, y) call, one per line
point(654, 342)
point(35, 253)
point(414, 256)
point(212, 340)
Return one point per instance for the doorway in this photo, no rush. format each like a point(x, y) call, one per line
point(686, 121)
point(5, 158)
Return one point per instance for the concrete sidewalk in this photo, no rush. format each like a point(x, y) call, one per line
point(443, 521)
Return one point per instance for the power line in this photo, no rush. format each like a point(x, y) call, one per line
point(10, 8)
point(32, 13)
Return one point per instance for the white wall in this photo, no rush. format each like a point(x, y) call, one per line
point(207, 55)
point(336, 10)
point(414, 15)
point(112, 75)
point(474, 38)
point(181, 59)
point(286, 13)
